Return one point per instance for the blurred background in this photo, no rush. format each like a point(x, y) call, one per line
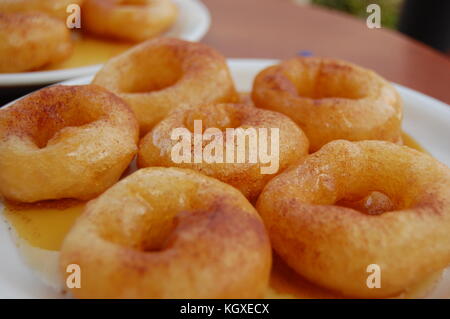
point(411, 48)
point(390, 8)
point(425, 20)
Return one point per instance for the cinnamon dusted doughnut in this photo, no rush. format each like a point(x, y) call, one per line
point(403, 226)
point(169, 233)
point(331, 99)
point(29, 41)
point(55, 8)
point(64, 142)
point(158, 76)
point(272, 142)
point(130, 20)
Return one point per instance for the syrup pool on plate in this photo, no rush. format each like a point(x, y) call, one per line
point(90, 50)
point(43, 225)
point(41, 228)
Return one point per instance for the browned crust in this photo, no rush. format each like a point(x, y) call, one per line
point(134, 21)
point(200, 235)
point(333, 245)
point(177, 72)
point(155, 148)
point(75, 140)
point(29, 41)
point(331, 99)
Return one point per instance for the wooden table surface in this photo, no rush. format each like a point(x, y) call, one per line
point(280, 29)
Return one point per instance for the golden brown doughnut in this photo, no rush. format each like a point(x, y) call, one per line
point(130, 20)
point(331, 99)
point(332, 245)
point(29, 41)
point(55, 8)
point(169, 233)
point(156, 148)
point(64, 142)
point(162, 74)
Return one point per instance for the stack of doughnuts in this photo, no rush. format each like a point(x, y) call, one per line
point(345, 194)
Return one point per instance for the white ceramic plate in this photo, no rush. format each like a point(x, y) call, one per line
point(192, 24)
point(427, 120)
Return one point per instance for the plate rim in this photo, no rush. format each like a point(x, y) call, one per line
point(245, 62)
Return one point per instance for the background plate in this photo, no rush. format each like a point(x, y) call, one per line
point(426, 119)
point(192, 24)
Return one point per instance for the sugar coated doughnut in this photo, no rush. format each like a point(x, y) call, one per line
point(331, 99)
point(402, 230)
point(65, 142)
point(163, 74)
point(29, 41)
point(131, 20)
point(272, 143)
point(169, 233)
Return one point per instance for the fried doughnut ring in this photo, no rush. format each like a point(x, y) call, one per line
point(65, 142)
point(156, 148)
point(333, 245)
point(55, 8)
point(169, 233)
point(130, 20)
point(29, 41)
point(162, 74)
point(331, 99)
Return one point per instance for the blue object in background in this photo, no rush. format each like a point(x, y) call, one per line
point(305, 53)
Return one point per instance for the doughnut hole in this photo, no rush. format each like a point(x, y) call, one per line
point(150, 219)
point(317, 80)
point(45, 124)
point(169, 233)
point(331, 100)
point(71, 120)
point(374, 203)
point(180, 73)
point(240, 159)
point(368, 202)
point(345, 177)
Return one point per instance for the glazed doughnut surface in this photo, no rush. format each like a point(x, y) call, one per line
point(160, 75)
point(169, 233)
point(29, 41)
point(332, 245)
point(64, 142)
point(331, 99)
point(130, 20)
point(249, 176)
